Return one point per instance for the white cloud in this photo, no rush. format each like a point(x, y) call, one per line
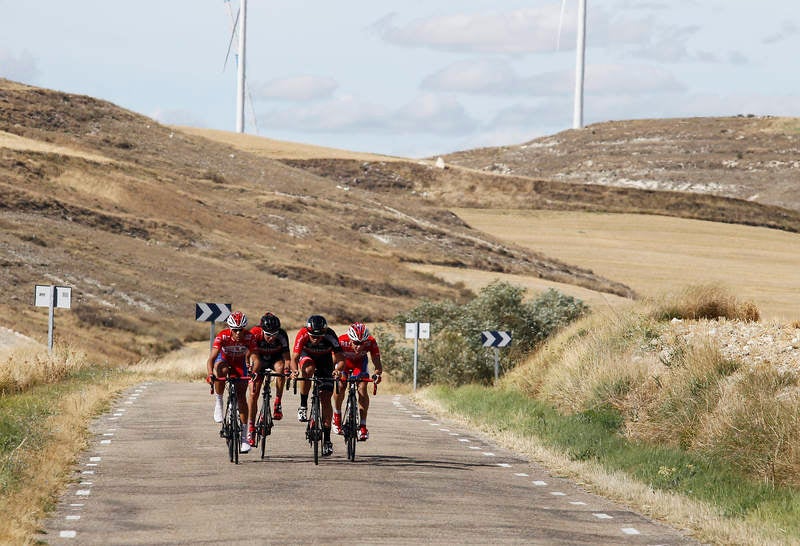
point(486, 76)
point(433, 113)
point(178, 117)
point(520, 31)
point(493, 77)
point(426, 113)
point(21, 68)
point(298, 88)
point(788, 30)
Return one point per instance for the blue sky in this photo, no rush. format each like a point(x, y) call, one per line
point(412, 78)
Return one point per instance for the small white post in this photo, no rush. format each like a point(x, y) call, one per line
point(51, 319)
point(496, 364)
point(416, 347)
point(577, 119)
point(240, 73)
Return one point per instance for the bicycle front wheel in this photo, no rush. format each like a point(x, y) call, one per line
point(316, 428)
point(352, 427)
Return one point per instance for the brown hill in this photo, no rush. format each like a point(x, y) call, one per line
point(754, 159)
point(144, 220)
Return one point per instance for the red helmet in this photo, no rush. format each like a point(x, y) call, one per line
point(358, 332)
point(236, 320)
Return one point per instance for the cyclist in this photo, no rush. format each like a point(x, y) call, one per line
point(272, 353)
point(357, 347)
point(229, 352)
point(316, 350)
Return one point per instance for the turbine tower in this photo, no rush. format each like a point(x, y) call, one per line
point(240, 73)
point(577, 118)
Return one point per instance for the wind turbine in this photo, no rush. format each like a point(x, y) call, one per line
point(240, 26)
point(577, 116)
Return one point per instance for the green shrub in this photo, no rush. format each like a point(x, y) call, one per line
point(455, 356)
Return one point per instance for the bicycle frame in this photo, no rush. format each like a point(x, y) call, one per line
point(264, 421)
point(350, 423)
point(231, 426)
point(314, 426)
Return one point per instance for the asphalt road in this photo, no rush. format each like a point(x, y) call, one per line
point(157, 472)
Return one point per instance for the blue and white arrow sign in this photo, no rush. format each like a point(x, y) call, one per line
point(491, 338)
point(211, 312)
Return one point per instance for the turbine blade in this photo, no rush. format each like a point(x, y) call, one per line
point(560, 24)
point(230, 42)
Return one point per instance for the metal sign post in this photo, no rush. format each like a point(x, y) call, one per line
point(495, 339)
point(213, 313)
point(52, 297)
point(417, 330)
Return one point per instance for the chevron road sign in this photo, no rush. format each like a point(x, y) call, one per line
point(211, 312)
point(491, 338)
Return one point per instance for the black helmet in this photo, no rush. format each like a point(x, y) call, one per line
point(270, 323)
point(317, 325)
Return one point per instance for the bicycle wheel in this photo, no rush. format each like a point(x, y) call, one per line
point(264, 426)
point(232, 427)
point(237, 429)
point(316, 426)
point(352, 425)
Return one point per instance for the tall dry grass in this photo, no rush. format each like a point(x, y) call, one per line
point(672, 390)
point(26, 367)
point(704, 301)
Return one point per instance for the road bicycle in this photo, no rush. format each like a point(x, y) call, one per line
point(350, 419)
point(231, 426)
point(264, 421)
point(314, 424)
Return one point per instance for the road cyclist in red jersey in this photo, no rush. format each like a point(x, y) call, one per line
point(357, 347)
point(271, 353)
point(229, 353)
point(316, 349)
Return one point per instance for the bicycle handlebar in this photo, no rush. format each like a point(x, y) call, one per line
point(358, 379)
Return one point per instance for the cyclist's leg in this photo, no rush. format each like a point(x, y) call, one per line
point(363, 402)
point(307, 369)
point(253, 392)
point(280, 382)
point(325, 370)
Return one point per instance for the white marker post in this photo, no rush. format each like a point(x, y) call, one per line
point(52, 297)
point(417, 330)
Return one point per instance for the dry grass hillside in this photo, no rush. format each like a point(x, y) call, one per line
point(144, 220)
point(753, 159)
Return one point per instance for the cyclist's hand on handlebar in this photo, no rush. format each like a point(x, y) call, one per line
point(210, 378)
point(376, 378)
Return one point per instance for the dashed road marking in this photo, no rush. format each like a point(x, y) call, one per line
point(504, 465)
point(95, 459)
point(521, 474)
point(630, 531)
point(603, 516)
point(72, 518)
point(83, 492)
point(577, 503)
point(68, 534)
point(463, 440)
point(489, 454)
point(540, 483)
point(558, 494)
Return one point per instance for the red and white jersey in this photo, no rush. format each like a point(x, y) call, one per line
point(356, 355)
point(232, 351)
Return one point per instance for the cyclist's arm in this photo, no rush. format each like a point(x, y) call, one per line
point(210, 363)
point(376, 363)
point(255, 362)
